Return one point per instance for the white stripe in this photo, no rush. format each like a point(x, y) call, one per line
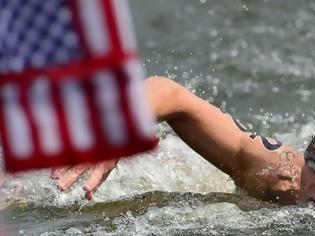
point(18, 129)
point(125, 26)
point(139, 107)
point(95, 31)
point(45, 117)
point(77, 115)
point(107, 98)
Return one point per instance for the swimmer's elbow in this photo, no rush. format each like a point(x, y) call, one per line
point(165, 97)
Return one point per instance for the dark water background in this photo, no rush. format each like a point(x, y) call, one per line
point(254, 59)
point(248, 57)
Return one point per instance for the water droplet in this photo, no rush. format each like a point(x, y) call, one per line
point(233, 53)
point(275, 89)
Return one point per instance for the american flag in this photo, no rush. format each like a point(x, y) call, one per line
point(70, 83)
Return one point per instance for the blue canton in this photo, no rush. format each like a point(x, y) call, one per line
point(36, 34)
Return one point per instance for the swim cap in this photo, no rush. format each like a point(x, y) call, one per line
point(309, 155)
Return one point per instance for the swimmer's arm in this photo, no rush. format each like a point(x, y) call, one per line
point(202, 126)
point(207, 130)
point(264, 167)
point(211, 133)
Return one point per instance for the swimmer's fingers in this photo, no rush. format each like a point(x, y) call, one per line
point(98, 175)
point(71, 176)
point(57, 173)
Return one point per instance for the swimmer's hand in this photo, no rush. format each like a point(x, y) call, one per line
point(67, 176)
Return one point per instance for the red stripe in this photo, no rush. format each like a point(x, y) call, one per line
point(108, 9)
point(94, 113)
point(58, 73)
point(123, 83)
point(14, 165)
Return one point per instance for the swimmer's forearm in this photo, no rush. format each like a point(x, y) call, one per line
point(202, 126)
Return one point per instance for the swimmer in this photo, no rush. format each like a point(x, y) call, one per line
point(266, 168)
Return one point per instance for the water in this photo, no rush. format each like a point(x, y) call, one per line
point(253, 59)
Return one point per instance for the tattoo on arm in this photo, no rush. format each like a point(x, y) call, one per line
point(265, 141)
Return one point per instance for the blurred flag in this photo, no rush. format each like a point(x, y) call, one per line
point(70, 83)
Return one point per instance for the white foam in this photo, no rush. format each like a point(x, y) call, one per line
point(172, 167)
